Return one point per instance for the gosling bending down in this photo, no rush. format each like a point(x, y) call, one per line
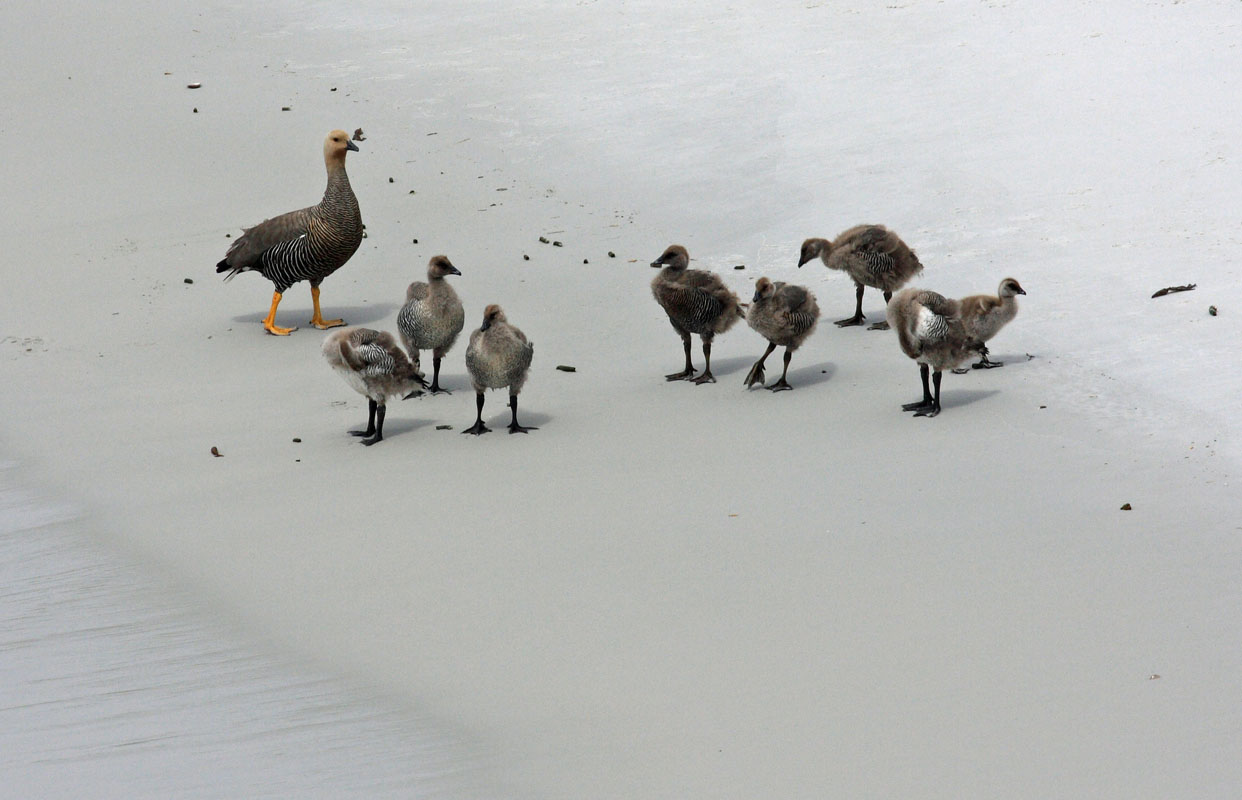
point(376, 367)
point(930, 331)
point(870, 254)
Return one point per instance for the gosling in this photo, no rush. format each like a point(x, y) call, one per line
point(870, 254)
point(784, 315)
point(696, 301)
point(984, 315)
point(498, 356)
point(930, 331)
point(432, 317)
point(376, 367)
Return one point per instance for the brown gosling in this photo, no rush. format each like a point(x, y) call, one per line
point(432, 317)
point(984, 315)
point(870, 254)
point(783, 314)
point(376, 367)
point(498, 356)
point(696, 301)
point(930, 331)
point(305, 245)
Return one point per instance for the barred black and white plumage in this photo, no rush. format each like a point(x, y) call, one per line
point(785, 315)
point(930, 330)
point(375, 366)
point(871, 255)
point(432, 316)
point(304, 245)
point(696, 301)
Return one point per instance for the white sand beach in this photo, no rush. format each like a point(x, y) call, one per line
point(668, 590)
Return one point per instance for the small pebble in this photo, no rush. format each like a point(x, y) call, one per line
point(611, 254)
point(215, 451)
point(444, 427)
point(297, 440)
point(390, 180)
point(415, 241)
point(189, 280)
point(1153, 677)
point(1212, 310)
point(228, 236)
point(285, 108)
point(196, 111)
point(333, 89)
point(740, 266)
point(557, 244)
point(566, 368)
point(543, 239)
point(584, 261)
point(193, 85)
point(1126, 507)
point(525, 257)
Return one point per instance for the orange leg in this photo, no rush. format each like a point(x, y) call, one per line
point(317, 320)
point(269, 323)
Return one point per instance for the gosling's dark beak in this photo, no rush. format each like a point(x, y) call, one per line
point(349, 145)
point(453, 270)
point(803, 259)
point(755, 299)
point(1021, 290)
point(487, 323)
point(657, 264)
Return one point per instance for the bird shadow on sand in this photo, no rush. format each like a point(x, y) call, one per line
point(398, 427)
point(725, 366)
point(353, 315)
point(964, 397)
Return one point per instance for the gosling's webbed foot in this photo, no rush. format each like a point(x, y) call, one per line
point(324, 324)
point(985, 364)
point(780, 386)
point(478, 429)
point(516, 428)
point(367, 432)
point(878, 326)
point(376, 438)
point(706, 377)
point(755, 375)
point(681, 376)
point(959, 371)
point(919, 406)
point(857, 319)
point(276, 330)
point(931, 411)
point(437, 389)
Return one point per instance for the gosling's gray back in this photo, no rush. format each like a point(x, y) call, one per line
point(498, 357)
point(370, 361)
point(929, 328)
point(873, 256)
point(787, 317)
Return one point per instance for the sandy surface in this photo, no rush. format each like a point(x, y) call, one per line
point(670, 590)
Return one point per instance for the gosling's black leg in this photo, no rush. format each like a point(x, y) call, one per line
point(935, 407)
point(514, 427)
point(478, 427)
point(379, 428)
point(689, 370)
point(370, 431)
point(435, 377)
point(983, 362)
point(706, 377)
point(782, 384)
point(756, 372)
point(927, 401)
point(858, 317)
point(882, 325)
